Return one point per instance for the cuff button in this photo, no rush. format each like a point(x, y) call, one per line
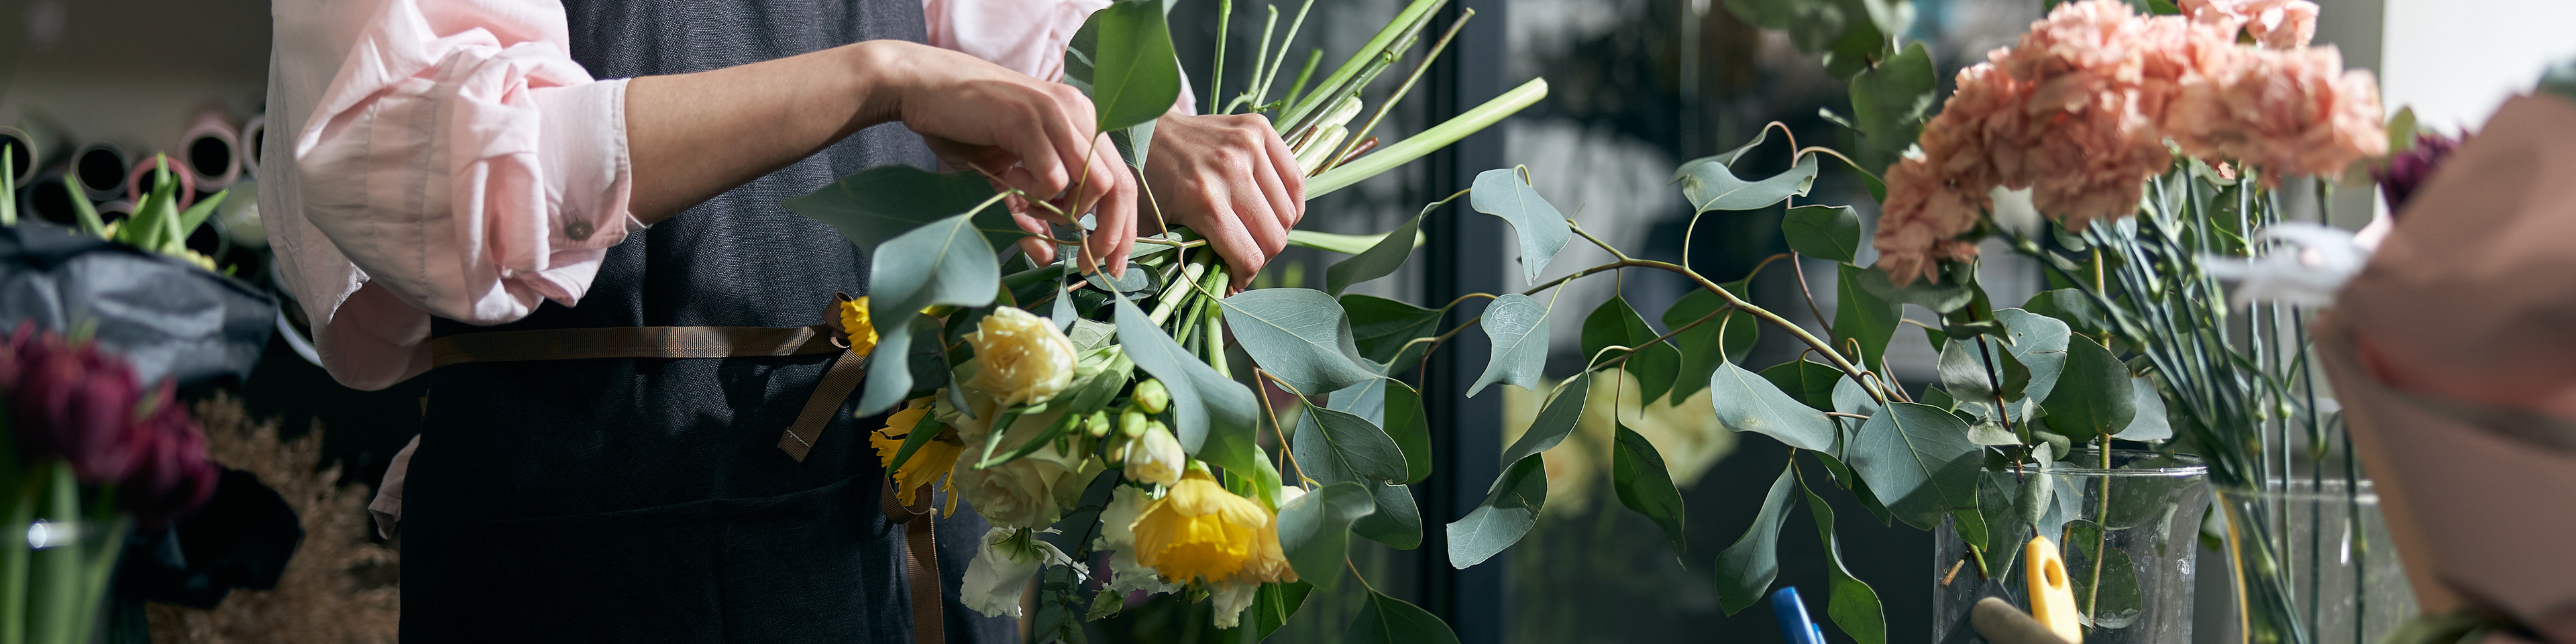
point(578, 230)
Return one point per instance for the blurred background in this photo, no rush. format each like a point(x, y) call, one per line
point(1638, 86)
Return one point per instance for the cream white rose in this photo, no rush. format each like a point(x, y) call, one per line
point(1031, 491)
point(1020, 358)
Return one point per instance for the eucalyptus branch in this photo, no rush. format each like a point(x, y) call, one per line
point(1810, 294)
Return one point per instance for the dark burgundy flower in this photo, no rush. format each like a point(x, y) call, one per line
point(2407, 170)
point(79, 404)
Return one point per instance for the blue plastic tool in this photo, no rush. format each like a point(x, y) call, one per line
point(1795, 626)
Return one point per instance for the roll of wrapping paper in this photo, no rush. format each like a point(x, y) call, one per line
point(100, 169)
point(117, 211)
point(210, 151)
point(47, 197)
point(35, 145)
point(249, 144)
point(139, 180)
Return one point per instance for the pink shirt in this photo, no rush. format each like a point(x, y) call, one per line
point(450, 159)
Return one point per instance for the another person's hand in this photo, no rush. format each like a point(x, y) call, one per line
point(1025, 133)
point(1230, 178)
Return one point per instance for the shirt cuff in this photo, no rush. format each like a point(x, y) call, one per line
point(582, 148)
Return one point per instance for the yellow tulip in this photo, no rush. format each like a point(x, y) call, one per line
point(930, 462)
point(1200, 531)
point(854, 321)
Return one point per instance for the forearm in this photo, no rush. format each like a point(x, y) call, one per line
point(693, 136)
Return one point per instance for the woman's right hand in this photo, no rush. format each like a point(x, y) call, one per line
point(1024, 133)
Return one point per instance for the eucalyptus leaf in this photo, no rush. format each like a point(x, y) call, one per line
point(1614, 323)
point(2119, 602)
point(2039, 344)
point(1918, 461)
point(2096, 396)
point(1387, 620)
point(1315, 530)
point(1725, 338)
point(1379, 259)
point(1746, 569)
point(1965, 372)
point(1747, 402)
point(1271, 606)
point(1518, 326)
point(1204, 402)
point(1506, 193)
point(1135, 76)
point(1852, 604)
point(1397, 408)
point(1861, 315)
point(1298, 336)
point(1891, 99)
point(1851, 398)
point(1554, 421)
point(1397, 523)
point(1710, 185)
point(1510, 508)
point(1807, 381)
point(1381, 327)
point(1823, 232)
point(1638, 474)
point(2070, 306)
point(1334, 447)
point(1942, 298)
point(880, 203)
point(2149, 424)
point(943, 263)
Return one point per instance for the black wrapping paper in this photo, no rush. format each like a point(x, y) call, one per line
point(171, 319)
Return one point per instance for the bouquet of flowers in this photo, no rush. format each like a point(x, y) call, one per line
point(89, 453)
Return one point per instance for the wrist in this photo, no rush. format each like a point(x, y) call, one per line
point(875, 73)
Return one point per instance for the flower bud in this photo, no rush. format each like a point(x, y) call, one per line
point(1152, 397)
point(1155, 457)
point(1132, 423)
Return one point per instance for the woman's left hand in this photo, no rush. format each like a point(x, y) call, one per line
point(1229, 177)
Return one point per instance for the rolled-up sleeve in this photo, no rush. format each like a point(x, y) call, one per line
point(464, 162)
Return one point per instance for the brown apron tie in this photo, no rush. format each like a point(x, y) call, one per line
point(921, 563)
point(839, 380)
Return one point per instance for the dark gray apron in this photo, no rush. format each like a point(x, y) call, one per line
point(646, 500)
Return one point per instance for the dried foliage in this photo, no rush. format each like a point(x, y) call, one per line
point(339, 588)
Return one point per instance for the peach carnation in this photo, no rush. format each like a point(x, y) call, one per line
point(2277, 24)
point(2288, 112)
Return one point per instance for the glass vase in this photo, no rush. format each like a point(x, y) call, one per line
point(2312, 563)
point(2140, 511)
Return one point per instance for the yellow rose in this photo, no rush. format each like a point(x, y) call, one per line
point(930, 462)
point(854, 321)
point(1198, 530)
point(1020, 358)
point(1155, 456)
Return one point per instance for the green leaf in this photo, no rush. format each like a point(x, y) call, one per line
point(1555, 421)
point(1299, 336)
point(1272, 606)
point(1720, 339)
point(1965, 373)
point(2070, 306)
point(1823, 232)
point(1518, 326)
point(1746, 569)
point(1380, 327)
point(1850, 398)
point(1510, 508)
point(943, 263)
point(1748, 403)
point(1135, 75)
point(1397, 523)
point(1387, 620)
point(1806, 381)
point(1941, 298)
point(2119, 604)
point(1334, 447)
point(1340, 243)
point(1397, 408)
point(2095, 397)
point(1315, 530)
point(1918, 461)
point(1891, 100)
point(1853, 605)
point(1380, 259)
point(1204, 403)
point(2039, 344)
point(1861, 315)
point(2149, 424)
point(1506, 193)
point(1615, 323)
point(1637, 471)
point(883, 202)
point(1710, 185)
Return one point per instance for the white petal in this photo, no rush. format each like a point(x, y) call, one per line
point(997, 575)
point(1231, 599)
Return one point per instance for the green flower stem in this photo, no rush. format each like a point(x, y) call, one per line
point(1439, 136)
point(1330, 88)
point(1352, 144)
